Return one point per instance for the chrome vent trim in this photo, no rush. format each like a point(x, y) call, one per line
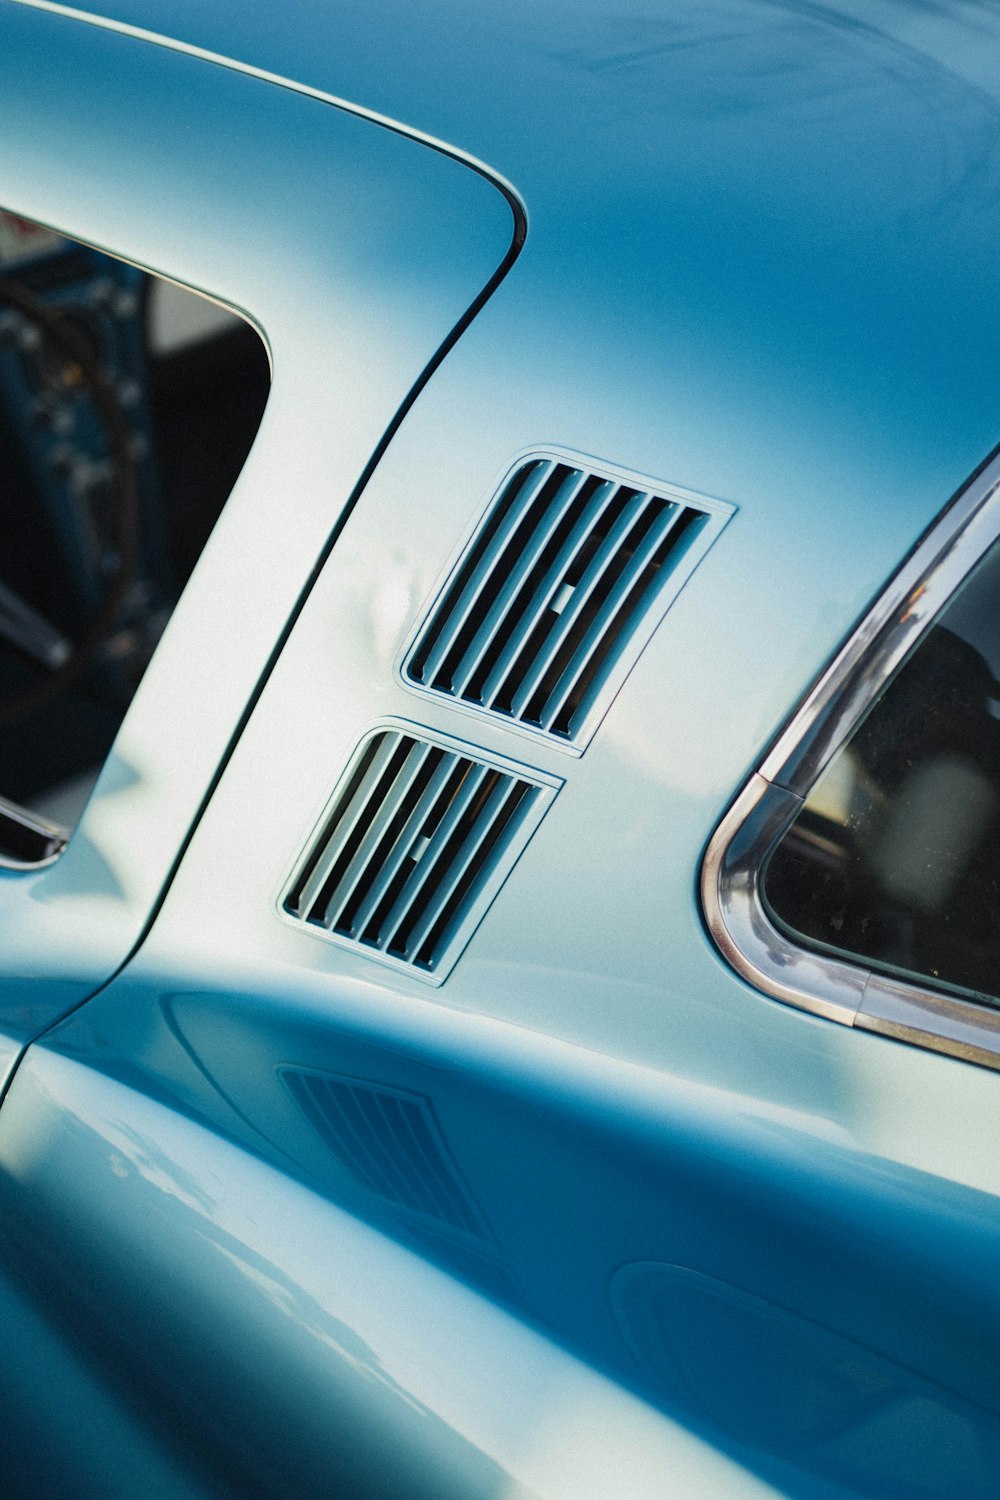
point(557, 592)
point(417, 839)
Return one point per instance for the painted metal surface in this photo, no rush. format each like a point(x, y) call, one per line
point(858, 1352)
point(275, 1345)
point(594, 1217)
point(403, 240)
point(608, 1094)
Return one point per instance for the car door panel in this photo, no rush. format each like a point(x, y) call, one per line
point(729, 1225)
point(278, 1345)
point(590, 1217)
point(403, 239)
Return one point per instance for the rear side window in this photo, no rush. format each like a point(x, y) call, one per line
point(127, 408)
point(894, 858)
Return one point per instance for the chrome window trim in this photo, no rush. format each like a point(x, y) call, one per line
point(737, 918)
point(52, 836)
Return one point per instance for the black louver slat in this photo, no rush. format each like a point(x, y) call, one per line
point(415, 844)
point(561, 586)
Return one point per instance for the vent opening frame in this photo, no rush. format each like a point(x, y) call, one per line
point(693, 541)
point(454, 926)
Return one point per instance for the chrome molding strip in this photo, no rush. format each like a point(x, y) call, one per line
point(24, 830)
point(738, 851)
point(739, 922)
point(175, 44)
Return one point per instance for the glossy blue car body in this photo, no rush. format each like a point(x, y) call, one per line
point(643, 1231)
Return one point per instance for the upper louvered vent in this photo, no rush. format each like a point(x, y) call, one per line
point(554, 597)
point(417, 840)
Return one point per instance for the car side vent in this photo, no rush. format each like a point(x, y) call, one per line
point(416, 841)
point(389, 1141)
point(558, 591)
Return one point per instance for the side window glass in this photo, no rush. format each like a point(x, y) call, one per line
point(127, 409)
point(894, 857)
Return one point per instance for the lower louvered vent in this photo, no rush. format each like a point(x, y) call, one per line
point(554, 597)
point(389, 1141)
point(416, 842)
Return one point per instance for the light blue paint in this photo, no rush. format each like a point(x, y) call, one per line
point(748, 1250)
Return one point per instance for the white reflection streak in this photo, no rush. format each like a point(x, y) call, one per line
point(392, 605)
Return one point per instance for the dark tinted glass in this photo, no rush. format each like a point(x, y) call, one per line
point(127, 408)
point(895, 856)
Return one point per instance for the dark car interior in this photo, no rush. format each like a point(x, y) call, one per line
point(128, 406)
point(895, 856)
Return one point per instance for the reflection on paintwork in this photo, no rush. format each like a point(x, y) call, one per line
point(402, 240)
point(390, 1141)
point(393, 603)
point(761, 259)
point(285, 1357)
point(764, 1374)
point(576, 1179)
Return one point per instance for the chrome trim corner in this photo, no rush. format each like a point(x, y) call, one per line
point(52, 837)
point(739, 923)
point(737, 854)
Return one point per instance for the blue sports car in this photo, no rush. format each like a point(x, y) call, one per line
point(499, 750)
